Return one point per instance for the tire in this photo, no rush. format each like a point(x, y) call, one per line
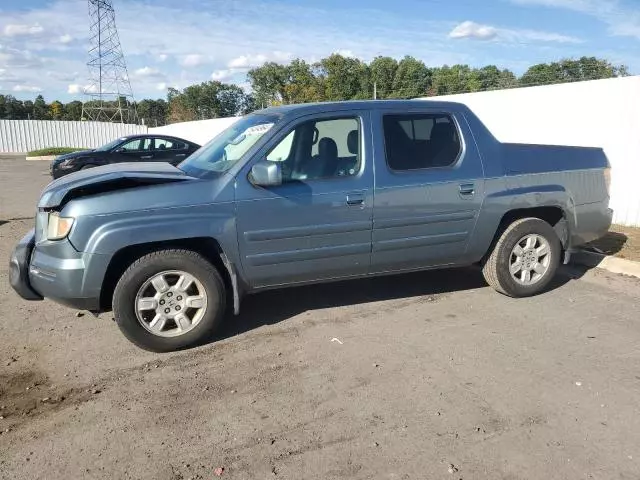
point(134, 288)
point(497, 267)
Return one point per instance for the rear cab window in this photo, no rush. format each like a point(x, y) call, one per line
point(415, 141)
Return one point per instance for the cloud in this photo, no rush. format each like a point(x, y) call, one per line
point(147, 72)
point(525, 35)
point(244, 63)
point(223, 75)
point(21, 30)
point(27, 88)
point(470, 29)
point(247, 62)
point(345, 53)
point(65, 39)
point(478, 31)
point(75, 89)
point(16, 58)
point(193, 60)
point(162, 57)
point(161, 86)
point(622, 21)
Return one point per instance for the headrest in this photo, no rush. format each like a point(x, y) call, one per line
point(443, 132)
point(352, 142)
point(327, 148)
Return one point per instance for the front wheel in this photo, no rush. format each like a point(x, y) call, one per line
point(525, 258)
point(169, 300)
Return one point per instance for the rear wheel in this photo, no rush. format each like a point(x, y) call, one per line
point(169, 300)
point(525, 258)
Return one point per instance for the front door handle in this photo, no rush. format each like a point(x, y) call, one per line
point(146, 157)
point(467, 189)
point(181, 155)
point(354, 200)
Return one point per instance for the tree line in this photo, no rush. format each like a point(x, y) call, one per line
point(333, 78)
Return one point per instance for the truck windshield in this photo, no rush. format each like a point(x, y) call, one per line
point(225, 150)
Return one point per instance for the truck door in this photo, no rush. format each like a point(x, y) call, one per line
point(317, 224)
point(429, 187)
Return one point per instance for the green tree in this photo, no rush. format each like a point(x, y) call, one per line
point(345, 78)
point(383, 74)
point(568, 70)
point(456, 79)
point(153, 112)
point(268, 83)
point(72, 111)
point(40, 109)
point(302, 85)
point(14, 109)
point(412, 79)
point(492, 78)
point(27, 107)
point(207, 100)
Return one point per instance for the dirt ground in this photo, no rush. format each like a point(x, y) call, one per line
point(623, 242)
point(422, 376)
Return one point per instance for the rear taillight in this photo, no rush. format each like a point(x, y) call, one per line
point(607, 179)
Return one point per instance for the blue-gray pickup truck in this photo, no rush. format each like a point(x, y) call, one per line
point(308, 193)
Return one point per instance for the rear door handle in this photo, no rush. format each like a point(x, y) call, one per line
point(146, 157)
point(467, 189)
point(355, 199)
point(181, 155)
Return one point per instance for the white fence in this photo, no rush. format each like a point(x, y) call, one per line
point(600, 113)
point(19, 136)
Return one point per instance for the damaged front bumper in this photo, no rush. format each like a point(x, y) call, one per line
point(57, 271)
point(19, 268)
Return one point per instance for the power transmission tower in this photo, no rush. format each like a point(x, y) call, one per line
point(108, 96)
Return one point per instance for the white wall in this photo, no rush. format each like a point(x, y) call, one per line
point(200, 131)
point(600, 113)
point(21, 136)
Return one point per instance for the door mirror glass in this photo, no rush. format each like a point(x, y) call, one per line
point(266, 174)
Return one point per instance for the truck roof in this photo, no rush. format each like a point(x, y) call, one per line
point(310, 108)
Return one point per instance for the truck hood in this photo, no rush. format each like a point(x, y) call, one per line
point(108, 178)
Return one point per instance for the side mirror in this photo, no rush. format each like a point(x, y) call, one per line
point(119, 150)
point(266, 174)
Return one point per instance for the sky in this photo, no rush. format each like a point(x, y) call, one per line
point(176, 43)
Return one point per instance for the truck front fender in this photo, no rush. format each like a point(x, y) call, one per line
point(102, 237)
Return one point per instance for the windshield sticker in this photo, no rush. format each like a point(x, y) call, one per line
point(259, 129)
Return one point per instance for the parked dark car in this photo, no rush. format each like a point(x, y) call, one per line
point(133, 148)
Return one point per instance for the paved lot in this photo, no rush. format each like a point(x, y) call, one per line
point(433, 373)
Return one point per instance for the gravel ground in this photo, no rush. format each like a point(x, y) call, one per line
point(422, 376)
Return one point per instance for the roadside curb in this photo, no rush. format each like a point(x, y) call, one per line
point(46, 157)
point(607, 262)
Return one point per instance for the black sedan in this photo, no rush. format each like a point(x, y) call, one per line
point(133, 148)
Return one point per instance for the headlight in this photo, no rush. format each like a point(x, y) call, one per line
point(58, 227)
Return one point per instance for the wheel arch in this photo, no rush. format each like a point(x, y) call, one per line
point(554, 215)
point(208, 247)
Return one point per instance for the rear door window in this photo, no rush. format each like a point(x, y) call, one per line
point(419, 141)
